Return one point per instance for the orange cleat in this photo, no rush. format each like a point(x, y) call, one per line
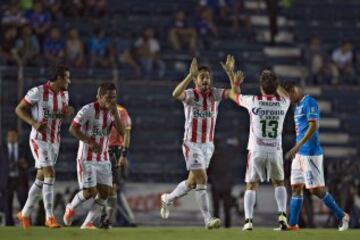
point(24, 221)
point(68, 216)
point(293, 228)
point(51, 223)
point(89, 225)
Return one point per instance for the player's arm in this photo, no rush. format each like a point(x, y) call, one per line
point(75, 130)
point(313, 125)
point(120, 128)
point(22, 111)
point(235, 90)
point(179, 91)
point(229, 67)
point(282, 92)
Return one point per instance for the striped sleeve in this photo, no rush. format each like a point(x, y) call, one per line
point(32, 96)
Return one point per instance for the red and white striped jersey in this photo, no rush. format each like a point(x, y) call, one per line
point(267, 115)
point(201, 110)
point(95, 122)
point(47, 106)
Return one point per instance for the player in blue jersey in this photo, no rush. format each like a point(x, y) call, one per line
point(307, 165)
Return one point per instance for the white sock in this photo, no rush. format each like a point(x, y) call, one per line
point(33, 196)
point(48, 196)
point(180, 191)
point(77, 200)
point(249, 203)
point(95, 210)
point(203, 200)
point(111, 207)
point(281, 197)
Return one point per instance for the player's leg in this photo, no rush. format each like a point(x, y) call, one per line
point(297, 183)
point(33, 196)
point(315, 182)
point(276, 174)
point(108, 212)
point(48, 160)
point(35, 190)
point(48, 196)
point(182, 189)
point(99, 204)
point(199, 162)
point(281, 199)
point(255, 172)
point(295, 204)
point(104, 185)
point(249, 203)
point(202, 198)
point(87, 184)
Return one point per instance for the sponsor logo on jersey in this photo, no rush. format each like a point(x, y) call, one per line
point(264, 112)
point(269, 104)
point(202, 114)
point(53, 115)
point(100, 132)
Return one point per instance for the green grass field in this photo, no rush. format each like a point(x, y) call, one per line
point(157, 233)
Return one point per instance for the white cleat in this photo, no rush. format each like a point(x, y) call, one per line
point(283, 225)
point(213, 223)
point(344, 223)
point(165, 207)
point(248, 226)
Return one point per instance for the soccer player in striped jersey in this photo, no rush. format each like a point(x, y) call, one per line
point(92, 126)
point(307, 164)
point(201, 109)
point(265, 158)
point(49, 105)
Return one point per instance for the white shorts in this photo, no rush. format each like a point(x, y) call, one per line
point(308, 170)
point(44, 153)
point(197, 155)
point(263, 166)
point(91, 174)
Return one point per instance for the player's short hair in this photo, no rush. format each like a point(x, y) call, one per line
point(268, 82)
point(104, 87)
point(289, 86)
point(204, 69)
point(58, 71)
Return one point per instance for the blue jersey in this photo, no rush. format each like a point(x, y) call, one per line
point(307, 110)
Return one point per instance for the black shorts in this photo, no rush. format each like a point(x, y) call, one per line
point(115, 153)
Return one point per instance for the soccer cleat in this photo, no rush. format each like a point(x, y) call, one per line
point(51, 223)
point(213, 223)
point(344, 223)
point(24, 221)
point(283, 226)
point(165, 207)
point(293, 228)
point(89, 225)
point(248, 226)
point(68, 216)
point(105, 224)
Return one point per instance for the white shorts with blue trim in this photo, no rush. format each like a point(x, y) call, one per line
point(308, 170)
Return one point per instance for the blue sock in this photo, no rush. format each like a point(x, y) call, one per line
point(295, 209)
point(330, 203)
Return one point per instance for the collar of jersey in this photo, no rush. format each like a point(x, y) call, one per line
point(207, 93)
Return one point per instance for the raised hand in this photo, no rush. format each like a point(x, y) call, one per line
point(194, 70)
point(238, 78)
point(229, 65)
